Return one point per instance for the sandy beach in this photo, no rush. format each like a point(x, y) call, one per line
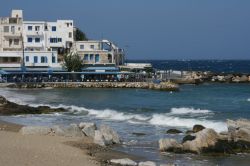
point(23, 150)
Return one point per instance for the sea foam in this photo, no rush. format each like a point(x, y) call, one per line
point(166, 120)
point(184, 110)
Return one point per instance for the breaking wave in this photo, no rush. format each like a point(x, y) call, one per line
point(166, 120)
point(171, 119)
point(183, 110)
point(248, 99)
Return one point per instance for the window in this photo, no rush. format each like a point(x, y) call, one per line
point(53, 40)
point(92, 46)
point(59, 39)
point(12, 29)
point(70, 34)
point(37, 28)
point(53, 59)
point(97, 58)
point(6, 28)
point(16, 41)
point(35, 59)
point(82, 47)
point(30, 28)
point(10, 42)
point(86, 57)
point(46, 27)
point(37, 40)
point(29, 40)
point(27, 58)
point(44, 59)
point(91, 57)
point(53, 28)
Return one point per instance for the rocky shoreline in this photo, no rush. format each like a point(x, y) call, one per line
point(164, 86)
point(10, 108)
point(203, 140)
point(194, 77)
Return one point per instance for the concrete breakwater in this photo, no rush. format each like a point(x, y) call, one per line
point(164, 86)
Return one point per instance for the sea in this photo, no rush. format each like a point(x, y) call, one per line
point(147, 112)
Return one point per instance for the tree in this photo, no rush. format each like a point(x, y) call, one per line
point(79, 35)
point(72, 62)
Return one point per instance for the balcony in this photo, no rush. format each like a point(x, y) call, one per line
point(12, 34)
point(34, 33)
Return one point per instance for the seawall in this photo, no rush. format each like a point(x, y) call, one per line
point(164, 86)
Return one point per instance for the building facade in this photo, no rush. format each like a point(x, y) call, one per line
point(33, 43)
point(99, 52)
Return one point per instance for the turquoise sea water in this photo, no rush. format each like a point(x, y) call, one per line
point(144, 111)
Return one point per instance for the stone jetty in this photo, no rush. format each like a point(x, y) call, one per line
point(164, 86)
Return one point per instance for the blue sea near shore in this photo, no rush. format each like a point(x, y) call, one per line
point(216, 66)
point(150, 112)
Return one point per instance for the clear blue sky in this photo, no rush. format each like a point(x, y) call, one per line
point(154, 29)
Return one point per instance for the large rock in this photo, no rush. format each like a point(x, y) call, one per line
point(88, 129)
point(35, 130)
point(239, 130)
point(3, 101)
point(147, 163)
point(170, 145)
point(99, 138)
point(204, 141)
point(123, 162)
point(110, 136)
point(198, 128)
point(73, 131)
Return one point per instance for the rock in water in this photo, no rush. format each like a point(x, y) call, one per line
point(174, 131)
point(35, 130)
point(239, 130)
point(198, 128)
point(110, 136)
point(123, 162)
point(204, 140)
point(147, 163)
point(170, 145)
point(188, 138)
point(3, 101)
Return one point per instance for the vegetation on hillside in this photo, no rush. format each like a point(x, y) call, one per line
point(79, 35)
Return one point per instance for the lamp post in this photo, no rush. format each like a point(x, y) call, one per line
point(23, 63)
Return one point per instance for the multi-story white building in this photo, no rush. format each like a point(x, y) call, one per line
point(99, 52)
point(33, 43)
point(48, 36)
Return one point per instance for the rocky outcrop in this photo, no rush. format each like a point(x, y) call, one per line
point(237, 139)
point(204, 140)
point(88, 129)
point(123, 162)
point(110, 136)
point(36, 130)
point(10, 108)
point(198, 128)
point(170, 145)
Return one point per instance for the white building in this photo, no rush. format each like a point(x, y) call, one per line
point(48, 36)
point(99, 52)
point(39, 43)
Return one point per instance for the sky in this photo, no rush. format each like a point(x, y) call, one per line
point(153, 29)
